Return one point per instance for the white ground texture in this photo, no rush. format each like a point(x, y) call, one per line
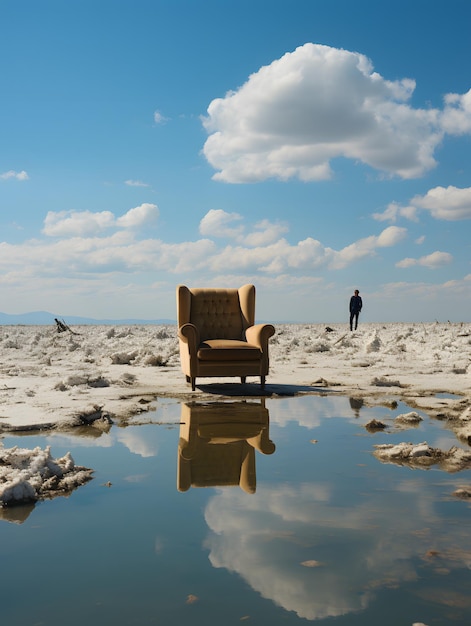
point(99, 375)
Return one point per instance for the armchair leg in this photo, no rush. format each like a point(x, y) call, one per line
point(262, 382)
point(243, 379)
point(191, 380)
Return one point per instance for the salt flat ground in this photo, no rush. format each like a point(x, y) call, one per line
point(56, 380)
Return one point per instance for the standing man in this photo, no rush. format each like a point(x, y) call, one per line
point(355, 308)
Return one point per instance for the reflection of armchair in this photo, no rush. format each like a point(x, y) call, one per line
point(217, 444)
point(217, 334)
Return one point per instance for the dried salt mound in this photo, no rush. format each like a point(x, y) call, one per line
point(374, 345)
point(31, 475)
point(464, 433)
point(423, 456)
point(374, 424)
point(92, 415)
point(461, 425)
point(409, 418)
point(85, 379)
point(462, 493)
point(385, 382)
point(123, 358)
point(318, 346)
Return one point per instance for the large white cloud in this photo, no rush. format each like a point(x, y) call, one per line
point(83, 245)
point(307, 254)
point(271, 540)
point(264, 249)
point(120, 252)
point(292, 117)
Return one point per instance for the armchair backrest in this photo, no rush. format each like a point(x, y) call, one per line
point(217, 313)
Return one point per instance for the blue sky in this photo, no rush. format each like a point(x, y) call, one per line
point(310, 147)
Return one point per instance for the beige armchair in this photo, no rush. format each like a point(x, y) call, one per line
point(217, 334)
point(218, 442)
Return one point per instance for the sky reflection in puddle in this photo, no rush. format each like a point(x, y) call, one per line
point(270, 512)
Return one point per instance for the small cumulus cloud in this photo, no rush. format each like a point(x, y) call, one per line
point(456, 116)
point(394, 211)
point(446, 203)
point(367, 246)
point(140, 215)
point(432, 261)
point(137, 444)
point(136, 183)
point(390, 236)
point(86, 223)
point(159, 118)
point(219, 223)
point(76, 223)
point(277, 257)
point(427, 292)
point(16, 175)
point(317, 103)
point(265, 232)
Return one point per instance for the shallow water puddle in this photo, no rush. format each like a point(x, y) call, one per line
point(449, 396)
point(270, 512)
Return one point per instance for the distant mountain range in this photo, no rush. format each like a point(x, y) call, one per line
point(36, 318)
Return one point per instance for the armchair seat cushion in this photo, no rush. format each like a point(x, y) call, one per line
point(228, 350)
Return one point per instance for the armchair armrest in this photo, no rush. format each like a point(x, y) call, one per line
point(259, 335)
point(189, 334)
point(262, 442)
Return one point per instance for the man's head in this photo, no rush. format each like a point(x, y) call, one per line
point(356, 292)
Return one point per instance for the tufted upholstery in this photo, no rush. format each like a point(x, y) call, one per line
point(217, 314)
point(217, 333)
